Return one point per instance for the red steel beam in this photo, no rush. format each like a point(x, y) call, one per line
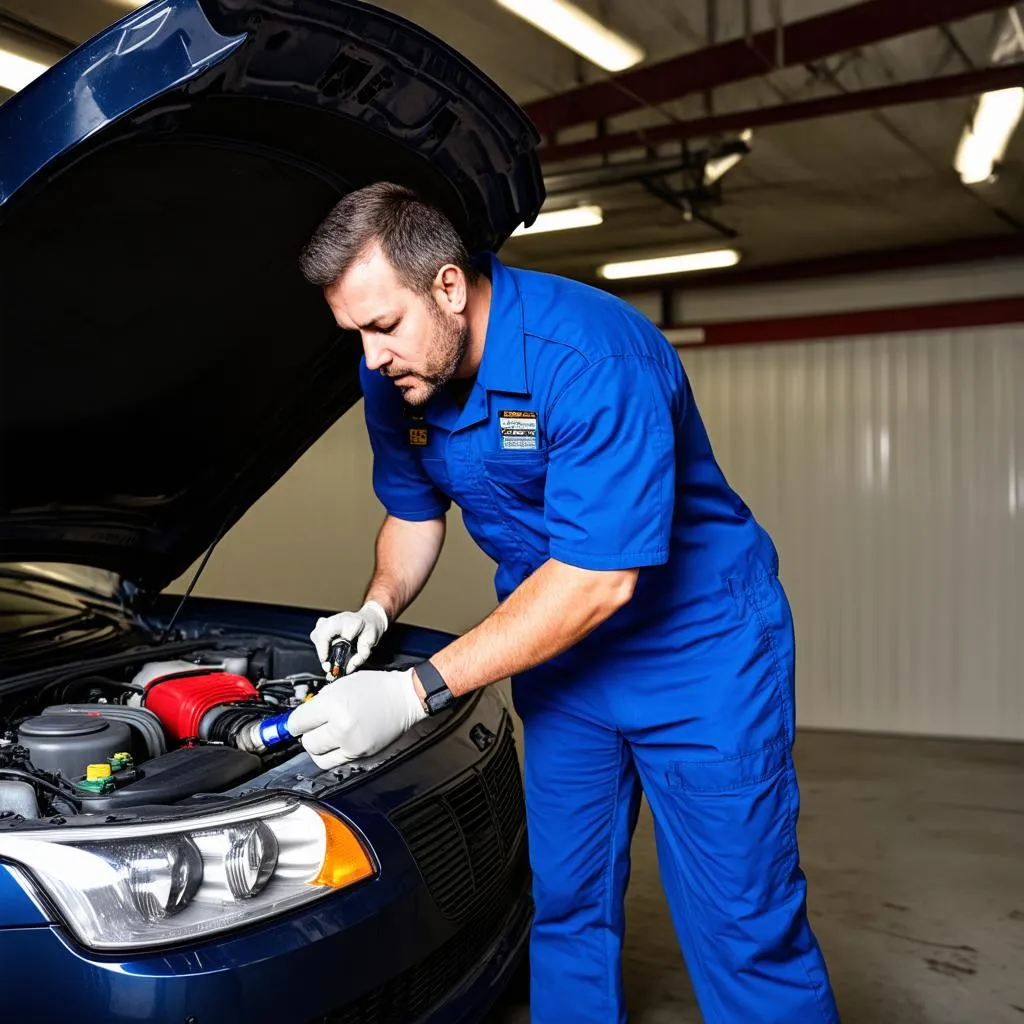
point(800, 42)
point(920, 91)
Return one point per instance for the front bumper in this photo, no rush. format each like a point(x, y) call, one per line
point(432, 938)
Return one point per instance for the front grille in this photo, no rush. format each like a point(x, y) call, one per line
point(465, 836)
point(413, 993)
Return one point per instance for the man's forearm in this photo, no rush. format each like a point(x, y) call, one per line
point(553, 609)
point(405, 557)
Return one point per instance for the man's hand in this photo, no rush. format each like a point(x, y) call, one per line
point(362, 629)
point(357, 716)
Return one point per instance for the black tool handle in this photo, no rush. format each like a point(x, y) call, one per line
point(341, 651)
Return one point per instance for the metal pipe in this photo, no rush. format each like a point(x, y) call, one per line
point(969, 83)
point(803, 42)
point(607, 175)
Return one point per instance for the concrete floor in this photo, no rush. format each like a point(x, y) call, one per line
point(914, 852)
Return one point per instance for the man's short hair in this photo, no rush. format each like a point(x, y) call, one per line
point(416, 238)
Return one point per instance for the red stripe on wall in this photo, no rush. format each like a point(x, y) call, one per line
point(982, 313)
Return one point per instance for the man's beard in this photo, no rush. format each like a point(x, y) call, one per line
point(448, 346)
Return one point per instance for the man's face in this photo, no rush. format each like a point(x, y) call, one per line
point(417, 341)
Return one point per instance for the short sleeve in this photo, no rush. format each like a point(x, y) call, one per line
point(610, 491)
point(399, 480)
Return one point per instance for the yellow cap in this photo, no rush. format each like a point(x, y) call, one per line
point(124, 756)
point(97, 771)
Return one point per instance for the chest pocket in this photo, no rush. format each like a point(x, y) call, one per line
point(517, 478)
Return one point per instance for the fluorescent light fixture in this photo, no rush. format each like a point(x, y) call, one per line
point(563, 220)
point(728, 156)
point(579, 31)
point(984, 143)
point(16, 71)
point(715, 169)
point(684, 263)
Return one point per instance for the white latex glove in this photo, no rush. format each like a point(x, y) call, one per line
point(363, 629)
point(357, 716)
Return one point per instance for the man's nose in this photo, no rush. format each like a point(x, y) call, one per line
point(377, 355)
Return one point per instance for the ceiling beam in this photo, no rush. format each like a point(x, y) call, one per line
point(801, 42)
point(968, 83)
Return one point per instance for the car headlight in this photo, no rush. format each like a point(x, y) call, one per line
point(151, 884)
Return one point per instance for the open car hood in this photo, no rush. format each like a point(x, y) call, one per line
point(162, 361)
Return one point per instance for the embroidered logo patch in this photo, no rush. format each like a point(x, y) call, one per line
point(418, 436)
point(518, 429)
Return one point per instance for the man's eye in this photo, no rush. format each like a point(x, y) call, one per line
point(387, 329)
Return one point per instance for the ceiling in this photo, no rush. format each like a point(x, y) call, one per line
point(855, 182)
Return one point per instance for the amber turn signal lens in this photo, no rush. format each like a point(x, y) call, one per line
point(345, 858)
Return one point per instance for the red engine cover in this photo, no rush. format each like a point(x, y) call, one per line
point(181, 701)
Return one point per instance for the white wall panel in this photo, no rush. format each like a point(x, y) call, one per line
point(890, 472)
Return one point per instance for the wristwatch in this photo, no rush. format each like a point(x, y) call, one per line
point(436, 689)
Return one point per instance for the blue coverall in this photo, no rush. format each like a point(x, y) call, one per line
point(581, 441)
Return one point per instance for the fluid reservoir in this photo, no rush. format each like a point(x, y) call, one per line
point(68, 743)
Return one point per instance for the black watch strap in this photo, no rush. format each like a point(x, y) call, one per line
point(436, 689)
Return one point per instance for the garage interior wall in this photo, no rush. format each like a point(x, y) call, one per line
point(888, 469)
point(309, 542)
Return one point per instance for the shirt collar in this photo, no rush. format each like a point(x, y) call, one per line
point(503, 366)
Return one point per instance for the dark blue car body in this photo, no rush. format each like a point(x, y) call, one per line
point(164, 364)
point(436, 936)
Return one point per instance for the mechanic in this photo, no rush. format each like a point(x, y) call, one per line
point(640, 614)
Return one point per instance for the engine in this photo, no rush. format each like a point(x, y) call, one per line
point(166, 731)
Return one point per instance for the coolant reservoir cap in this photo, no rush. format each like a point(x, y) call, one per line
point(62, 725)
point(97, 771)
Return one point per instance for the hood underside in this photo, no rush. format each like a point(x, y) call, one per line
point(163, 361)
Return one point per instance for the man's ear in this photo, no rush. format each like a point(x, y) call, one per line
point(451, 289)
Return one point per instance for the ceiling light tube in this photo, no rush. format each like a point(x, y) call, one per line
point(578, 31)
point(984, 143)
point(720, 166)
point(563, 220)
point(17, 71)
point(684, 263)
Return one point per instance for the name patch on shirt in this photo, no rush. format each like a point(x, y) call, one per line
point(518, 429)
point(418, 436)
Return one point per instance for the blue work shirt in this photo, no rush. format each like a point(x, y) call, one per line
point(579, 441)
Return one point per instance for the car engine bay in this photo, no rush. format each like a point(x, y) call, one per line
point(149, 731)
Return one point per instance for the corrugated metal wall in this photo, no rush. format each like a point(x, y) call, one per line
point(890, 472)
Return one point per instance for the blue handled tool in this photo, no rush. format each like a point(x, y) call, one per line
point(268, 732)
point(274, 730)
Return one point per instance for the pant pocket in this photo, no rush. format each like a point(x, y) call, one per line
point(736, 817)
point(727, 834)
point(725, 774)
point(762, 604)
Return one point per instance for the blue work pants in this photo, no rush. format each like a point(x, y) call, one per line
point(709, 742)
